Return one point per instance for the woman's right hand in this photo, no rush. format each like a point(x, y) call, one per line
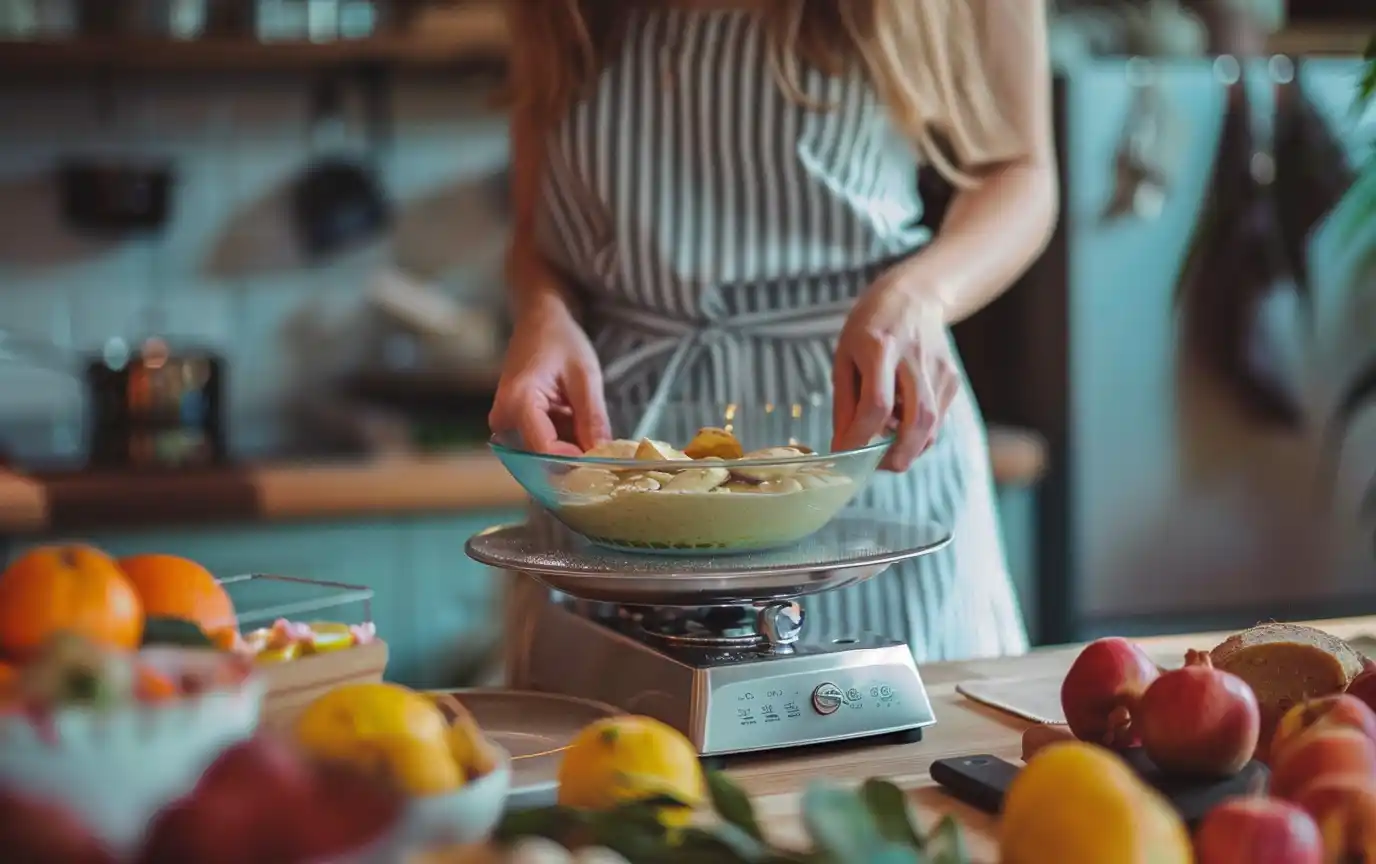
point(551, 371)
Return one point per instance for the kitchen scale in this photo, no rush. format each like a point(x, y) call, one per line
point(716, 645)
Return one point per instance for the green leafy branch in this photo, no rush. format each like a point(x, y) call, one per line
point(869, 825)
point(1367, 89)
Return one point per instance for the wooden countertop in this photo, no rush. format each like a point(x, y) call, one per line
point(963, 728)
point(475, 480)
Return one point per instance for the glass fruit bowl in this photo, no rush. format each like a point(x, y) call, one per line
point(707, 480)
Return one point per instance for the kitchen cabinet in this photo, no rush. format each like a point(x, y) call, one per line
point(430, 600)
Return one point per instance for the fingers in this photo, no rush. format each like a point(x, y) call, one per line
point(586, 398)
point(912, 405)
point(539, 434)
point(844, 386)
point(877, 361)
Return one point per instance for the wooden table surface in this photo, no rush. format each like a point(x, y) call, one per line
point(963, 727)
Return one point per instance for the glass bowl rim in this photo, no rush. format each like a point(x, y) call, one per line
point(879, 444)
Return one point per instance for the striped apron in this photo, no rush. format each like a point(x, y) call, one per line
point(719, 233)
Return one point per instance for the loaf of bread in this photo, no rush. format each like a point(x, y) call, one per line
point(1286, 664)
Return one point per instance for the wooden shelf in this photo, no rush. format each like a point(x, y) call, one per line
point(1317, 40)
point(479, 36)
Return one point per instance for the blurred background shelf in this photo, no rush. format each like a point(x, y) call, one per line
point(233, 55)
point(476, 34)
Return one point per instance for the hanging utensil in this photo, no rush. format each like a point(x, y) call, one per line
point(338, 202)
point(1141, 176)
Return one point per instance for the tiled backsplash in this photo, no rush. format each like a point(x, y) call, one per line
point(226, 268)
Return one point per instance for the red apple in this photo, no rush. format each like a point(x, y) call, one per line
point(1102, 688)
point(1341, 710)
point(1257, 831)
point(39, 832)
point(255, 767)
point(1199, 720)
point(1344, 808)
point(1323, 752)
point(348, 811)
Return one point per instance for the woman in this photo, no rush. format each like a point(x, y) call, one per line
point(728, 191)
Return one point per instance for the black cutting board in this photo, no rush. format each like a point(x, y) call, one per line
point(981, 781)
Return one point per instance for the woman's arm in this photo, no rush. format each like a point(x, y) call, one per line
point(995, 230)
point(532, 283)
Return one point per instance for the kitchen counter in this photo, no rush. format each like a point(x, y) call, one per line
point(776, 783)
point(474, 480)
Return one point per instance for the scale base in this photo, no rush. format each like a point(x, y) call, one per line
point(734, 700)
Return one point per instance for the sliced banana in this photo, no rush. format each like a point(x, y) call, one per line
point(589, 481)
point(698, 480)
point(619, 449)
point(820, 479)
point(759, 475)
point(713, 442)
point(739, 487)
point(658, 451)
point(639, 483)
point(779, 486)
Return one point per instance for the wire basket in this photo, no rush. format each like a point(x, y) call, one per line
point(260, 599)
point(292, 685)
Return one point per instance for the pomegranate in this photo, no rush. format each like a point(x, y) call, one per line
point(1100, 693)
point(1199, 720)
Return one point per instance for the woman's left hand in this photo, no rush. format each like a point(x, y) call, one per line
point(894, 369)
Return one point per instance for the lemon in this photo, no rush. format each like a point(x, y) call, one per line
point(330, 636)
point(1078, 803)
point(624, 759)
point(382, 727)
point(290, 651)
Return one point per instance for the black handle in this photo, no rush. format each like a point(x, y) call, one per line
point(980, 780)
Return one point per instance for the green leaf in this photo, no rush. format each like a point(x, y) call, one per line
point(888, 807)
point(946, 843)
point(552, 823)
point(733, 805)
point(840, 825)
point(174, 631)
point(725, 843)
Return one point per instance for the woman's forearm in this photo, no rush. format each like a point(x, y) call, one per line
point(533, 286)
point(992, 233)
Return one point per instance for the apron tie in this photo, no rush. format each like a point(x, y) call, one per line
point(684, 341)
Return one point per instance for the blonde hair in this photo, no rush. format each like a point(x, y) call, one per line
point(922, 57)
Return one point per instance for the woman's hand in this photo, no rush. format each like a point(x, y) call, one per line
point(893, 369)
point(551, 375)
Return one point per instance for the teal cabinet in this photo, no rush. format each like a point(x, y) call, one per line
point(431, 603)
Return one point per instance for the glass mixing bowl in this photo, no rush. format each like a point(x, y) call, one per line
point(783, 487)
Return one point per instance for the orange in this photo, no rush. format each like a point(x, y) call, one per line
point(76, 588)
point(172, 587)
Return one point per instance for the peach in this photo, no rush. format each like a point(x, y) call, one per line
point(1329, 711)
point(1102, 689)
point(1257, 831)
point(1199, 720)
point(1344, 808)
point(1038, 738)
point(1363, 687)
point(1323, 752)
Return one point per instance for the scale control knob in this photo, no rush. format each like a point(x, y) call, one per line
point(781, 623)
point(827, 699)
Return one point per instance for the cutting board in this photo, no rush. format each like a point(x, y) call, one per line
point(981, 781)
